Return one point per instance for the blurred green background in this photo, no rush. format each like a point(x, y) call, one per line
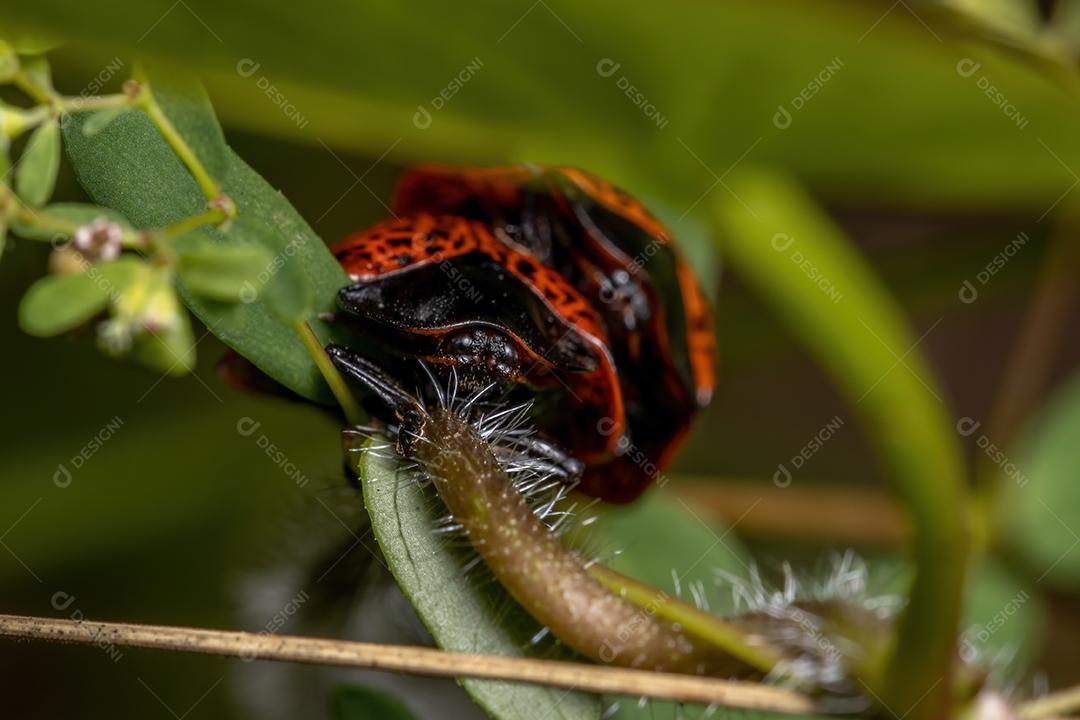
point(181, 519)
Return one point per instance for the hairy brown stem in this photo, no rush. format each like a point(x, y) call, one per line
point(550, 582)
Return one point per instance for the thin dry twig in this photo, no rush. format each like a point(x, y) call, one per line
point(415, 660)
point(1063, 702)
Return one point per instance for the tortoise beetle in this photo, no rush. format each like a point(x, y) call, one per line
point(551, 280)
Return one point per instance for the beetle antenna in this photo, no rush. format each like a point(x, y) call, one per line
point(374, 378)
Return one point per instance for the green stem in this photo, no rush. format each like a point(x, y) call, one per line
point(94, 102)
point(16, 122)
point(25, 215)
point(698, 623)
point(213, 216)
point(40, 95)
point(353, 414)
point(145, 100)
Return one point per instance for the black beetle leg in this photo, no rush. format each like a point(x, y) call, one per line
point(375, 379)
point(549, 456)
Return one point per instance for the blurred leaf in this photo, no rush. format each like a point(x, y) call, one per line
point(80, 213)
point(169, 349)
point(40, 162)
point(100, 119)
point(355, 702)
point(538, 91)
point(129, 166)
point(463, 613)
point(31, 43)
point(9, 62)
point(692, 550)
point(219, 270)
point(1042, 505)
point(36, 67)
point(1004, 621)
point(57, 303)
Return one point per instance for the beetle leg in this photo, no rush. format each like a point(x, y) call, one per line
point(549, 457)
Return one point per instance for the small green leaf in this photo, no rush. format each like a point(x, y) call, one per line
point(79, 213)
point(101, 119)
point(58, 303)
point(1041, 503)
point(39, 165)
point(170, 349)
point(356, 702)
point(465, 613)
point(37, 69)
point(221, 271)
point(9, 62)
point(129, 166)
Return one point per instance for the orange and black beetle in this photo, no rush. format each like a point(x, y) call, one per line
point(552, 280)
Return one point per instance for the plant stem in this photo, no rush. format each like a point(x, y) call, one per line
point(706, 626)
point(413, 660)
point(26, 215)
point(38, 94)
point(94, 102)
point(212, 216)
point(145, 100)
point(353, 414)
point(835, 514)
point(1063, 702)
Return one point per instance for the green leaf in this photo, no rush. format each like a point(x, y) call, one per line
point(220, 270)
point(1041, 504)
point(356, 702)
point(463, 613)
point(692, 550)
point(79, 213)
point(100, 119)
point(128, 166)
point(1005, 618)
point(40, 162)
point(37, 68)
point(9, 62)
point(58, 303)
point(803, 266)
point(540, 88)
point(170, 350)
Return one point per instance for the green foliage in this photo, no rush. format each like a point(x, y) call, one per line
point(459, 610)
point(803, 266)
point(35, 175)
point(58, 303)
point(355, 702)
point(101, 119)
point(1042, 505)
point(223, 271)
point(128, 166)
point(692, 551)
point(77, 213)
